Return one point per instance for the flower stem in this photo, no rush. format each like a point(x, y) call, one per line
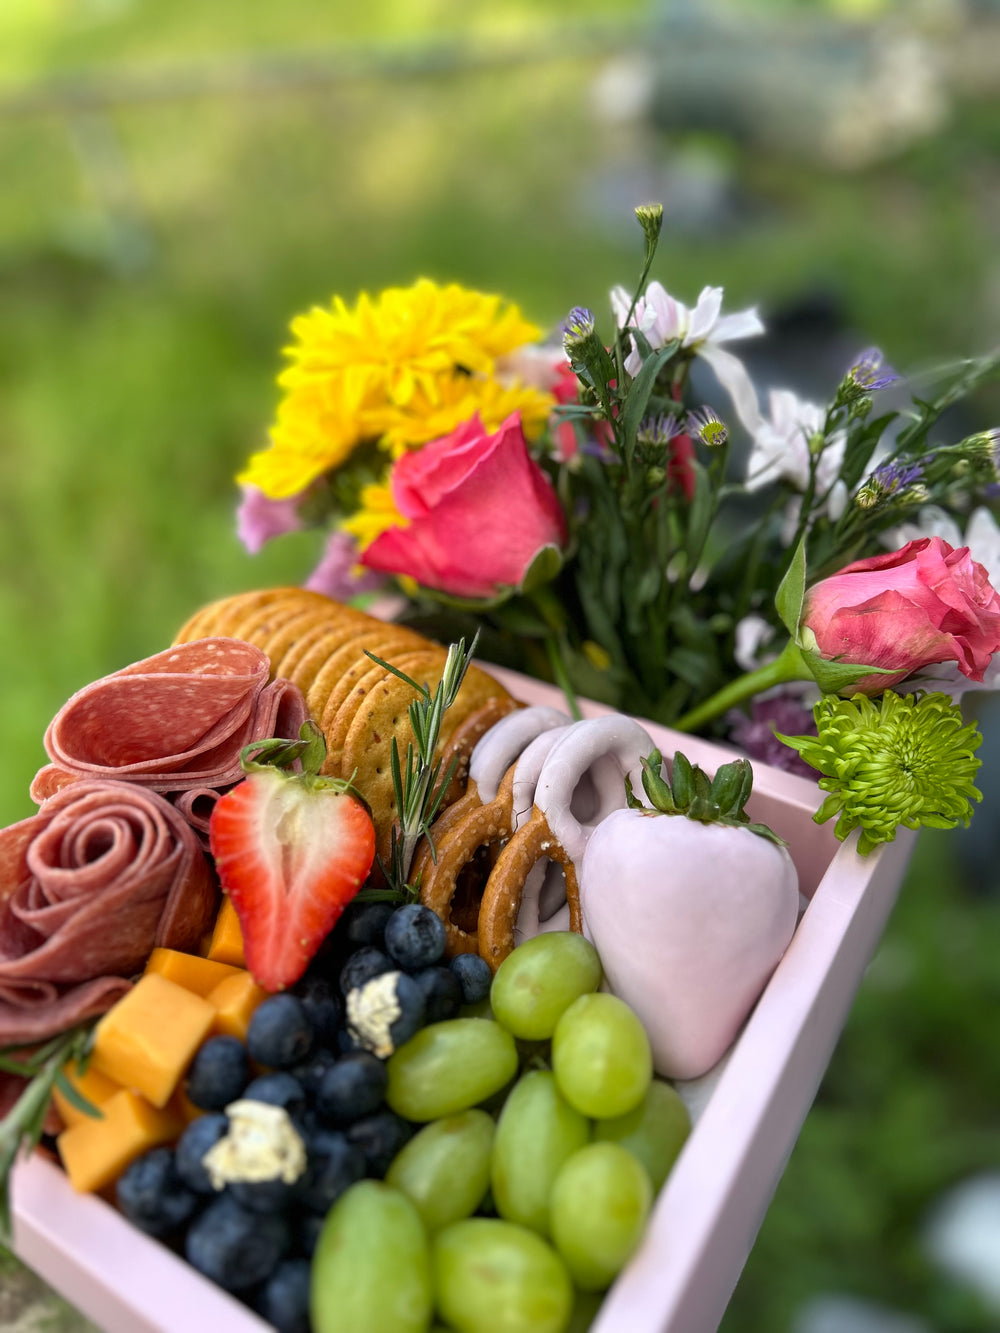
point(789, 665)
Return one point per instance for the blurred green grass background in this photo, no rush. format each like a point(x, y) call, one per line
point(179, 180)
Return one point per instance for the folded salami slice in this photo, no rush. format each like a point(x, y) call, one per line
point(175, 722)
point(89, 886)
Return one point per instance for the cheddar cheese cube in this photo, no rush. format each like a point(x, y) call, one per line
point(227, 937)
point(200, 975)
point(148, 1039)
point(234, 1001)
point(96, 1152)
point(93, 1086)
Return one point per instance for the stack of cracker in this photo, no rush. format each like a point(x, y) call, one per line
point(321, 646)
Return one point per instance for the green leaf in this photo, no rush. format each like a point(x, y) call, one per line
point(639, 393)
point(832, 677)
point(699, 514)
point(791, 591)
point(545, 565)
point(76, 1098)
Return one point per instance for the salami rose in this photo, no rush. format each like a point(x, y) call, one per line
point(88, 887)
point(174, 723)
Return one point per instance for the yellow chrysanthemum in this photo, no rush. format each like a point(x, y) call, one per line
point(409, 365)
point(377, 512)
point(311, 435)
point(403, 340)
point(460, 397)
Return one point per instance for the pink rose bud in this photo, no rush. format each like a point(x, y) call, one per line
point(479, 510)
point(905, 610)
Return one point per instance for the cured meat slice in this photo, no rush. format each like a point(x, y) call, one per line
point(175, 722)
point(89, 886)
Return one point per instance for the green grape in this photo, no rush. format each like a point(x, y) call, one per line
point(445, 1168)
point(536, 1132)
point(654, 1132)
point(448, 1067)
point(494, 1277)
point(600, 1201)
point(371, 1272)
point(536, 983)
point(601, 1056)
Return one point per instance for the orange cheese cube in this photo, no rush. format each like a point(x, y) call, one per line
point(96, 1152)
point(148, 1039)
point(227, 937)
point(93, 1086)
point(235, 1000)
point(186, 969)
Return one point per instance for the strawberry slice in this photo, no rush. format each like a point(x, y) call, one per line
point(291, 849)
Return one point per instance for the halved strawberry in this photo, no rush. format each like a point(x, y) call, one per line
point(292, 850)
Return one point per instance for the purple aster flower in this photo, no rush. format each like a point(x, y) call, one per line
point(706, 426)
point(755, 733)
point(870, 372)
point(334, 575)
point(577, 327)
point(259, 518)
point(889, 479)
point(659, 430)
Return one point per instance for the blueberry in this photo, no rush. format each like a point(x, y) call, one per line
point(153, 1196)
point(334, 1164)
point(193, 1144)
point(307, 1229)
point(218, 1074)
point(362, 965)
point(354, 1086)
point(380, 1137)
point(235, 1248)
point(263, 1196)
point(415, 936)
point(280, 1034)
point(284, 1300)
point(278, 1090)
point(323, 1007)
point(367, 1010)
point(364, 923)
point(310, 1074)
point(442, 993)
point(346, 1043)
point(474, 976)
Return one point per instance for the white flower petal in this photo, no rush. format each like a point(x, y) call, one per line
point(704, 315)
point(732, 375)
point(742, 324)
point(982, 537)
point(621, 303)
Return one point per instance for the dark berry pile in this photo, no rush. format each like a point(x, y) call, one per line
point(318, 1052)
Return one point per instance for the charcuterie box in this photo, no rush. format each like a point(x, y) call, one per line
point(747, 1113)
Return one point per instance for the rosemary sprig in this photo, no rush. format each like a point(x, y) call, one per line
point(21, 1128)
point(418, 784)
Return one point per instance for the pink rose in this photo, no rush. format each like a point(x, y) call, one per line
point(902, 611)
point(479, 510)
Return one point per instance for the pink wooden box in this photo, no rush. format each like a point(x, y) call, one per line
point(747, 1113)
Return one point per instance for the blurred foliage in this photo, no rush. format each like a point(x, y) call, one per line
point(152, 253)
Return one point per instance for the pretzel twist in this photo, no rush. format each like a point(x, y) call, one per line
point(504, 890)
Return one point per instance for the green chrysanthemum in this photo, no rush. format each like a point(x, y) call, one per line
point(906, 761)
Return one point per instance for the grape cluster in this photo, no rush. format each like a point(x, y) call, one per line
point(471, 1144)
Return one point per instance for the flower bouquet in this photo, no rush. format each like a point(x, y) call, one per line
point(477, 936)
point(577, 505)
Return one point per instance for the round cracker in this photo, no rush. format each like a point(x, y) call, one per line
point(382, 716)
point(312, 662)
point(231, 610)
point(344, 668)
point(258, 625)
point(288, 645)
point(337, 721)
